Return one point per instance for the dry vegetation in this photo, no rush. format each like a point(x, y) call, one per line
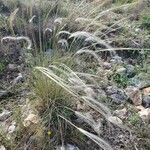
point(74, 74)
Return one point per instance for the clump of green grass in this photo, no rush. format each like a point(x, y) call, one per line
point(145, 21)
point(73, 84)
point(134, 119)
point(51, 100)
point(2, 66)
point(121, 80)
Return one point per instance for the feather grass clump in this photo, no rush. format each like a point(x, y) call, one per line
point(77, 87)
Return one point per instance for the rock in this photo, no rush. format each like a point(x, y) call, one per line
point(144, 113)
point(134, 94)
point(89, 92)
point(12, 67)
point(18, 79)
point(31, 119)
point(117, 95)
point(67, 147)
point(107, 65)
point(139, 108)
point(122, 113)
point(146, 101)
point(2, 147)
point(146, 91)
point(118, 98)
point(5, 115)
point(111, 90)
point(121, 71)
point(130, 70)
point(115, 120)
point(116, 59)
point(3, 94)
point(137, 30)
point(135, 81)
point(145, 80)
point(138, 82)
point(12, 127)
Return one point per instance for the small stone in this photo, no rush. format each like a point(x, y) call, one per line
point(138, 82)
point(67, 147)
point(12, 67)
point(146, 101)
point(121, 113)
point(137, 30)
point(107, 65)
point(4, 94)
point(18, 79)
point(111, 90)
point(139, 108)
point(121, 71)
point(5, 115)
point(71, 147)
point(116, 59)
point(117, 95)
point(2, 147)
point(135, 81)
point(146, 91)
point(144, 113)
point(31, 119)
point(118, 98)
point(134, 94)
point(12, 128)
point(130, 71)
point(115, 120)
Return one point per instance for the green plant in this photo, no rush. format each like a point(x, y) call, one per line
point(121, 80)
point(145, 21)
point(134, 119)
point(2, 67)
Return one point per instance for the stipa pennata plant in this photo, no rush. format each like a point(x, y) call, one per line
point(71, 82)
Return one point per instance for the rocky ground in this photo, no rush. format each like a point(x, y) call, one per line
point(123, 85)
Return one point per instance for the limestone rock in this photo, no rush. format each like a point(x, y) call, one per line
point(121, 71)
point(144, 113)
point(134, 94)
point(2, 147)
point(31, 119)
point(122, 113)
point(115, 120)
point(5, 115)
point(117, 95)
